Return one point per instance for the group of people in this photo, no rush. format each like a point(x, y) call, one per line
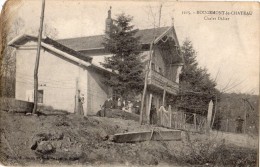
point(125, 105)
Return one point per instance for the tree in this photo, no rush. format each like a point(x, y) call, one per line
point(125, 61)
point(196, 86)
point(8, 63)
point(11, 28)
point(48, 31)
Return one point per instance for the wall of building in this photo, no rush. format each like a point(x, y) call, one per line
point(97, 91)
point(157, 59)
point(57, 78)
point(173, 72)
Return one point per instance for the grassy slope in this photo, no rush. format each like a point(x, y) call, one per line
point(82, 141)
point(79, 140)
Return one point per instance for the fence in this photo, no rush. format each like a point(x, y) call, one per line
point(181, 120)
point(231, 125)
point(11, 104)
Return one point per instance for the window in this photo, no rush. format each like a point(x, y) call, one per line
point(40, 96)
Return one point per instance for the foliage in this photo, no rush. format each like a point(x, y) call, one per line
point(125, 60)
point(232, 105)
point(10, 27)
point(196, 86)
point(214, 152)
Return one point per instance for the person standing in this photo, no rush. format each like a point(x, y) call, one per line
point(119, 104)
point(81, 102)
point(239, 121)
point(153, 115)
point(125, 106)
point(108, 105)
point(130, 106)
point(137, 106)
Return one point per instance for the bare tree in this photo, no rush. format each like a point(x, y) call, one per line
point(10, 28)
point(49, 31)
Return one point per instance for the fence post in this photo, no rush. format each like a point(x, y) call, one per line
point(149, 107)
point(170, 110)
point(184, 122)
point(227, 126)
point(194, 120)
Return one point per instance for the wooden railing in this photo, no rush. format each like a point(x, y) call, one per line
point(179, 120)
point(160, 81)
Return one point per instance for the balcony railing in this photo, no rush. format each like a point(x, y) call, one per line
point(160, 81)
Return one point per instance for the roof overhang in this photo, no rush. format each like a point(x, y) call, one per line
point(162, 35)
point(21, 39)
point(177, 45)
point(54, 47)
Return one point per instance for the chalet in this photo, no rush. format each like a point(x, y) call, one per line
point(71, 67)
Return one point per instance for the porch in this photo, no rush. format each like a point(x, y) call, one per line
point(159, 88)
point(159, 81)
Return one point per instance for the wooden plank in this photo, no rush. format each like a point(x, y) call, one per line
point(170, 110)
point(149, 107)
point(195, 123)
point(209, 116)
point(131, 137)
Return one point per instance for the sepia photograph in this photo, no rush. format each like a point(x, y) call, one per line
point(129, 83)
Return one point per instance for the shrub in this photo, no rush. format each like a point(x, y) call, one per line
point(215, 152)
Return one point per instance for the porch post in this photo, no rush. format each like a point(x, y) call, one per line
point(77, 97)
point(164, 93)
point(170, 110)
point(149, 107)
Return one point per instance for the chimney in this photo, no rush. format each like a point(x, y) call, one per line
point(109, 23)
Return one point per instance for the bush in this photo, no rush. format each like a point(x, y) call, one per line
point(214, 152)
point(49, 110)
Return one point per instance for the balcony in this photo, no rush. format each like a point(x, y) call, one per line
point(158, 80)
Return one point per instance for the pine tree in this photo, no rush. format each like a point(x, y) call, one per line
point(197, 88)
point(125, 61)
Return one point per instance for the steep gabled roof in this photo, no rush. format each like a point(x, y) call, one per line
point(67, 49)
point(95, 42)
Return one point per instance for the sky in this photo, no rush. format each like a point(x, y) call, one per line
point(229, 49)
point(1, 4)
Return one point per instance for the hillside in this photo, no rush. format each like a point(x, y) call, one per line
point(74, 139)
point(65, 139)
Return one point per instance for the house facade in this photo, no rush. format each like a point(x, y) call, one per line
point(164, 69)
point(71, 68)
point(65, 76)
